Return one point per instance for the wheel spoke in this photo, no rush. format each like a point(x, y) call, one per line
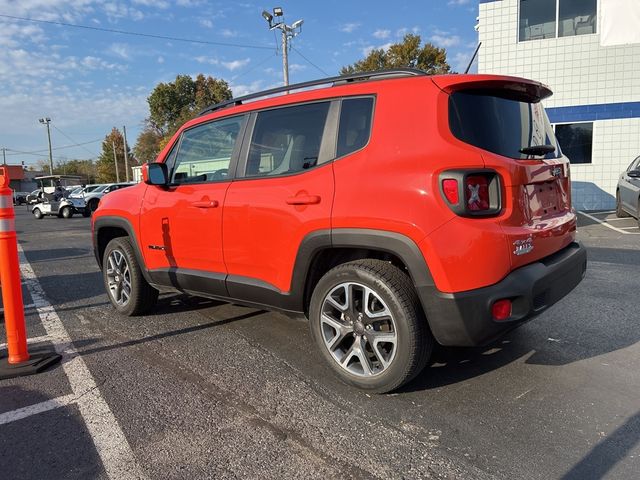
point(341, 331)
point(375, 339)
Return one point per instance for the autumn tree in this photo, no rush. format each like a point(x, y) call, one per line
point(86, 169)
point(410, 53)
point(106, 167)
point(172, 104)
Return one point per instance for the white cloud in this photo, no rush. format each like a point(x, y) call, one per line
point(349, 27)
point(235, 64)
point(382, 34)
point(296, 67)
point(460, 61)
point(228, 33)
point(445, 41)
point(160, 59)
point(369, 48)
point(120, 50)
point(162, 4)
point(205, 22)
point(457, 2)
point(245, 89)
point(207, 60)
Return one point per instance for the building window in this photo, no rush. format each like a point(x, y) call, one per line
point(576, 141)
point(556, 18)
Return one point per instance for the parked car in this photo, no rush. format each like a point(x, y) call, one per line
point(92, 198)
point(394, 209)
point(20, 198)
point(80, 192)
point(34, 196)
point(628, 192)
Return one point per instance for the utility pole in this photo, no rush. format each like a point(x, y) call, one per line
point(126, 155)
point(4, 156)
point(115, 160)
point(46, 121)
point(288, 32)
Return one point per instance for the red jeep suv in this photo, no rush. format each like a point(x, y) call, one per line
point(394, 209)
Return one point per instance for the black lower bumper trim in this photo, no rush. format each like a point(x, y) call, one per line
point(465, 319)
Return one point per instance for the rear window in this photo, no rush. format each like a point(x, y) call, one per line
point(500, 125)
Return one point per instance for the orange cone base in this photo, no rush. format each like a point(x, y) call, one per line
point(39, 361)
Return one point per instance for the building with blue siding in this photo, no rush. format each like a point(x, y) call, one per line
point(588, 53)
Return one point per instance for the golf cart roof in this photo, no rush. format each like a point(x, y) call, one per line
point(58, 177)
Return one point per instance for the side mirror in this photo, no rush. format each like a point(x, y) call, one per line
point(634, 173)
point(155, 174)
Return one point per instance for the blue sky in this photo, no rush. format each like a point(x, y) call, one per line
point(89, 81)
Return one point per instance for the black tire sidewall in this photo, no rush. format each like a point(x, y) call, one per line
point(402, 360)
point(38, 214)
point(66, 212)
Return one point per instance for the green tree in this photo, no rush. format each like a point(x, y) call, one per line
point(82, 168)
point(106, 167)
point(410, 53)
point(171, 104)
point(148, 145)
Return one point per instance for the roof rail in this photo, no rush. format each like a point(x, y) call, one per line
point(337, 80)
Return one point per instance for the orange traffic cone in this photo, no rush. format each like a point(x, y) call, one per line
point(18, 362)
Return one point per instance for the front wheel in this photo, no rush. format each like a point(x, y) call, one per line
point(128, 291)
point(86, 213)
point(620, 213)
point(66, 212)
point(37, 213)
point(366, 319)
point(93, 205)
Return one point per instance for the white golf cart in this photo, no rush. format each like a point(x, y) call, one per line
point(53, 200)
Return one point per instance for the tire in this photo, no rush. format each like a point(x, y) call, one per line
point(119, 267)
point(86, 213)
point(620, 213)
point(38, 214)
point(638, 213)
point(390, 295)
point(93, 205)
point(66, 212)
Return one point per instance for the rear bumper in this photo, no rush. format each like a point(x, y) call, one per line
point(465, 319)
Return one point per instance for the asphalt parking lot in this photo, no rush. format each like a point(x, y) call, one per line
point(200, 389)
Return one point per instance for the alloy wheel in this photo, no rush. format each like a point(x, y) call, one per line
point(118, 277)
point(358, 329)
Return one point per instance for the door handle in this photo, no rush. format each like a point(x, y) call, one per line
point(205, 204)
point(303, 200)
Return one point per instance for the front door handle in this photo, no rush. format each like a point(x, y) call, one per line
point(303, 200)
point(205, 204)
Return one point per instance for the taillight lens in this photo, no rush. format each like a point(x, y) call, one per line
point(472, 193)
point(450, 189)
point(476, 193)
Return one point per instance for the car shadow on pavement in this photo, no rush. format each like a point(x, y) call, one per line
point(35, 256)
point(606, 454)
point(159, 336)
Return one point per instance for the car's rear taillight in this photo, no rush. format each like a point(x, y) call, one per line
point(472, 193)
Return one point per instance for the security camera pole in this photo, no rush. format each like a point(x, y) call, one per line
point(288, 32)
point(46, 121)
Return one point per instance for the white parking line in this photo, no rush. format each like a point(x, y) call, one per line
point(111, 444)
point(602, 222)
point(42, 407)
point(43, 338)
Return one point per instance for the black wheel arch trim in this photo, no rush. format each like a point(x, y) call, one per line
point(124, 224)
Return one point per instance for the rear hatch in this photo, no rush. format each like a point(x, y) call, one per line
point(505, 119)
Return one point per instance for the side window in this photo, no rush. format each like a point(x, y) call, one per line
point(205, 151)
point(286, 140)
point(355, 124)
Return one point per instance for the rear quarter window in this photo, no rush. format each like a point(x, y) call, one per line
point(355, 125)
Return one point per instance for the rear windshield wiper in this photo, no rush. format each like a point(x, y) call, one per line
point(538, 149)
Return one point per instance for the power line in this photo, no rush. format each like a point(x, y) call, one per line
point(72, 140)
point(137, 34)
point(309, 61)
point(254, 67)
point(18, 152)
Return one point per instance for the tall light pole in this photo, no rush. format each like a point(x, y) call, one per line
point(46, 121)
point(288, 32)
point(126, 155)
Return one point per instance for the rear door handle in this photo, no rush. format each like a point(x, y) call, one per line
point(303, 200)
point(205, 204)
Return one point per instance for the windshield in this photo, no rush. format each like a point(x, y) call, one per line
point(500, 125)
point(76, 191)
point(91, 188)
point(101, 188)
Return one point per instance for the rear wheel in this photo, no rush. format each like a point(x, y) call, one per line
point(86, 213)
point(620, 213)
point(366, 319)
point(128, 291)
point(66, 212)
point(37, 213)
